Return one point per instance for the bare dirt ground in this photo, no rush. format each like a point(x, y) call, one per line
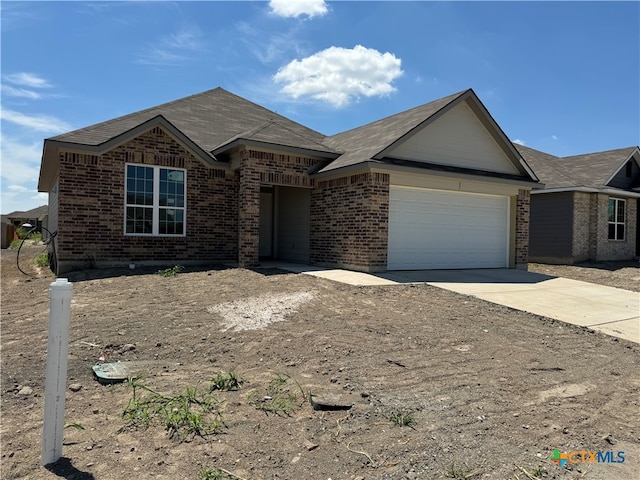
point(487, 391)
point(625, 274)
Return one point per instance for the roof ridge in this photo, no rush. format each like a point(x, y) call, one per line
point(603, 152)
point(518, 146)
point(451, 98)
point(138, 112)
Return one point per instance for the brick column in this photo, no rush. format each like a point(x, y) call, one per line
point(248, 213)
point(523, 203)
point(350, 222)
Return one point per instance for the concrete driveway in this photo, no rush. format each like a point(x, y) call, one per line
point(609, 310)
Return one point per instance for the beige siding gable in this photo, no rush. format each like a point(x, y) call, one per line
point(457, 138)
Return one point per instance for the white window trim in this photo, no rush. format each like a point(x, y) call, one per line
point(156, 203)
point(615, 222)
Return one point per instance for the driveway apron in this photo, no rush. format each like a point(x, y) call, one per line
point(613, 311)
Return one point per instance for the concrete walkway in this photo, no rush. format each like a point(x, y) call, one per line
point(609, 310)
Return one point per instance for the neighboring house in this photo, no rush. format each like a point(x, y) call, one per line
point(34, 217)
point(213, 177)
point(588, 209)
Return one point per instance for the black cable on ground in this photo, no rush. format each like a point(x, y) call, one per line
point(50, 240)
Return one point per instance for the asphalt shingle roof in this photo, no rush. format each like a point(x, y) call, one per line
point(210, 119)
point(215, 120)
point(33, 213)
point(588, 170)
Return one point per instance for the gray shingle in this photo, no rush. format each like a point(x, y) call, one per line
point(588, 170)
point(209, 119)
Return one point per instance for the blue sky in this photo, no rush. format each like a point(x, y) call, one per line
point(562, 77)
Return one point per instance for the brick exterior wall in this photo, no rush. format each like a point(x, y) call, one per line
point(615, 249)
point(91, 208)
point(583, 242)
point(523, 204)
point(349, 222)
point(348, 219)
point(260, 168)
point(591, 229)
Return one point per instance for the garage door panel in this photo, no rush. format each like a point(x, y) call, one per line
point(438, 229)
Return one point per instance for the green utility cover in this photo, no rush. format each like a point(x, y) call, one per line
point(111, 372)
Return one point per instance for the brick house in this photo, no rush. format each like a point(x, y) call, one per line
point(214, 178)
point(588, 209)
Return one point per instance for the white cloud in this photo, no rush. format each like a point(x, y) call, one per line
point(296, 8)
point(12, 201)
point(39, 123)
point(173, 49)
point(554, 137)
point(26, 79)
point(518, 141)
point(184, 40)
point(337, 75)
point(268, 47)
point(20, 92)
point(23, 85)
point(20, 160)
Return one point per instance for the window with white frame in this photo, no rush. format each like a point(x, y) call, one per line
point(616, 218)
point(155, 201)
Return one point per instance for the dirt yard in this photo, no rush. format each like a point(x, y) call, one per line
point(441, 385)
point(624, 275)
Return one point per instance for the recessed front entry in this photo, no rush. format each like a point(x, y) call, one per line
point(285, 223)
point(438, 229)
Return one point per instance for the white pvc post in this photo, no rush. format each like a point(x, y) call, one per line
point(55, 384)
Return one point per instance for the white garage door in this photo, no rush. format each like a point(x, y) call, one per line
point(432, 229)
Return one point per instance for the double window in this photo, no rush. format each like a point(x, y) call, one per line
point(155, 201)
point(616, 218)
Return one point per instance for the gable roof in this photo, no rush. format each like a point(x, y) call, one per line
point(207, 123)
point(33, 213)
point(364, 143)
point(373, 141)
point(209, 119)
point(591, 170)
point(214, 122)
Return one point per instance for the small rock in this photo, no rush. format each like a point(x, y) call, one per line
point(128, 347)
point(364, 394)
point(75, 387)
point(565, 430)
point(310, 445)
point(25, 391)
point(610, 440)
